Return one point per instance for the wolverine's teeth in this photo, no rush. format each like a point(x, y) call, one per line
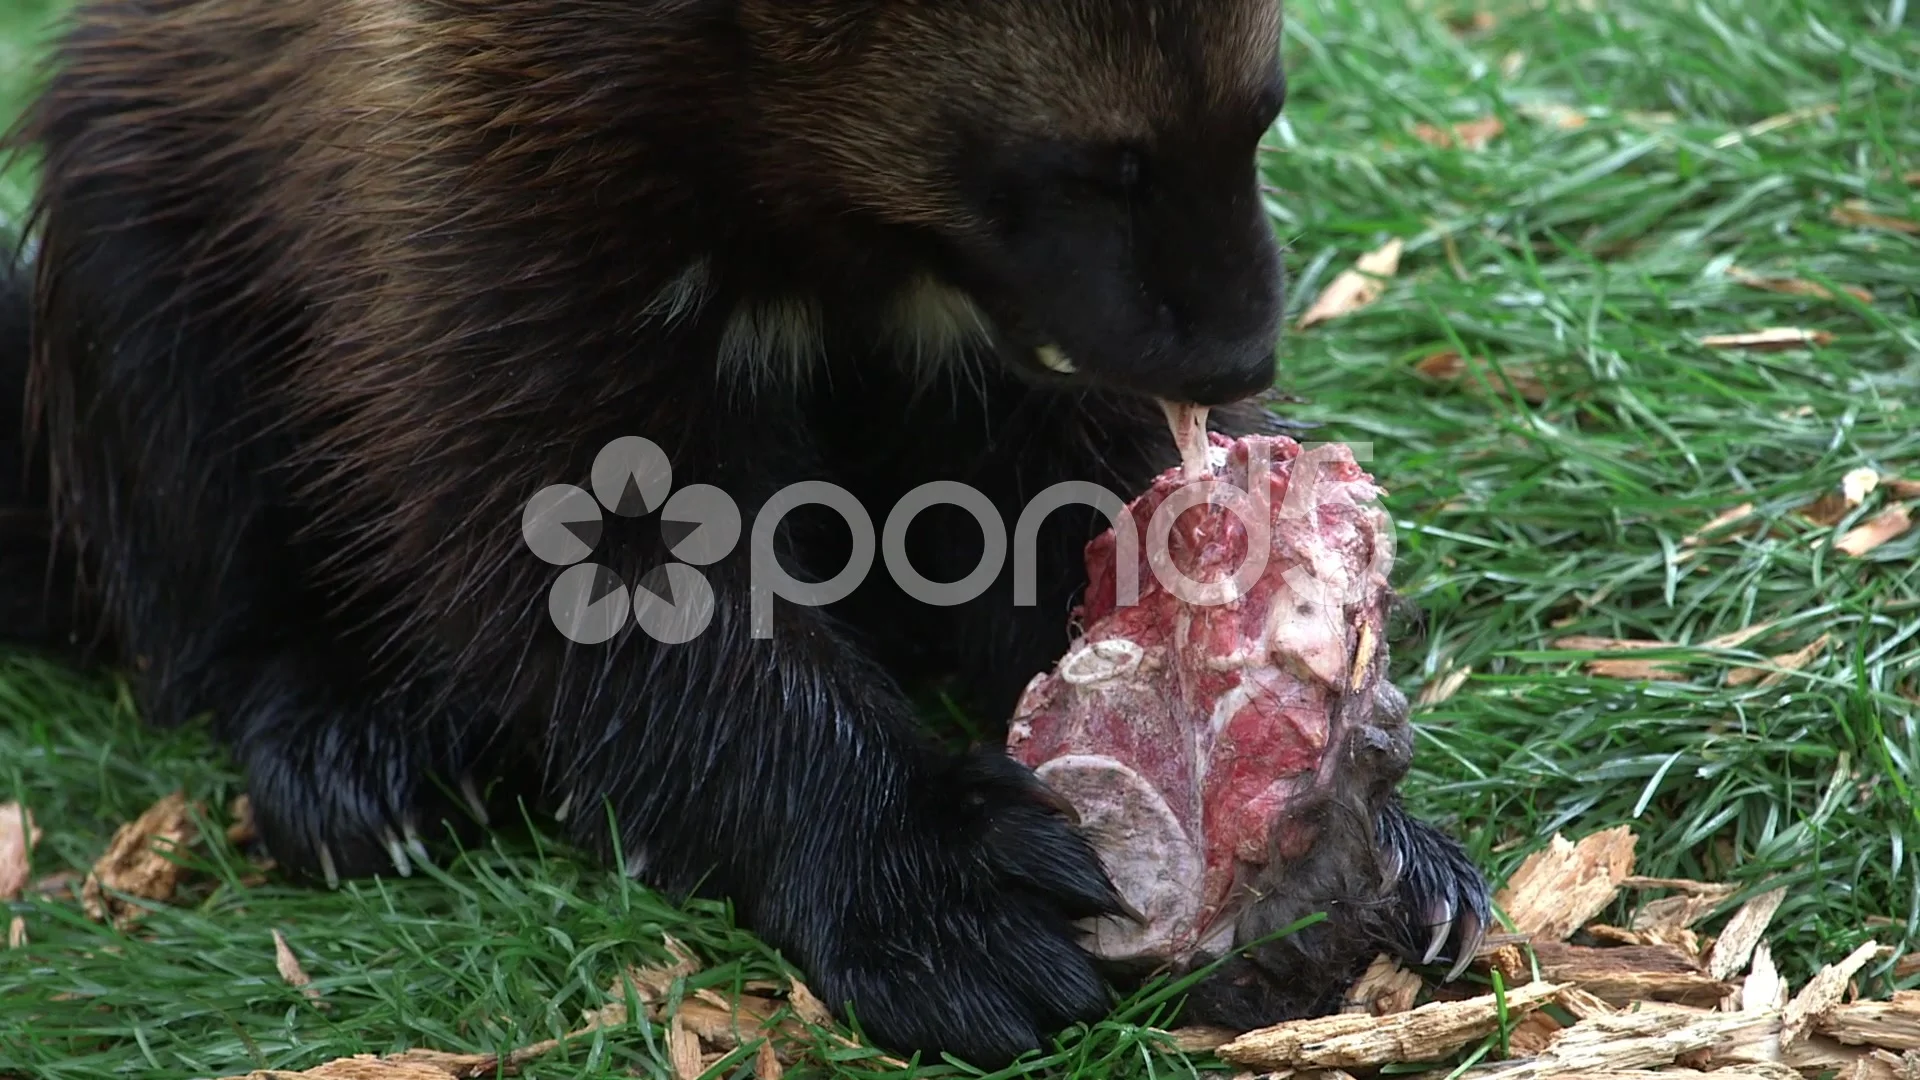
point(1053, 359)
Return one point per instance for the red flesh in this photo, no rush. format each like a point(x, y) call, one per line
point(1186, 734)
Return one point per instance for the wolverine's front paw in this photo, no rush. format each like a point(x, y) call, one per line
point(346, 794)
point(1444, 907)
point(962, 940)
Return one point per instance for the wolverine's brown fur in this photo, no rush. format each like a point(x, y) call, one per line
point(329, 288)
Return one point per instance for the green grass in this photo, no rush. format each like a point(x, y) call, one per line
point(1594, 256)
point(24, 26)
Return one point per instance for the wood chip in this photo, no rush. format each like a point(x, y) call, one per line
point(1615, 935)
point(1744, 931)
point(1685, 885)
point(136, 862)
point(766, 1062)
point(1888, 1025)
point(1628, 1040)
point(1769, 340)
point(1883, 1065)
point(1787, 663)
point(683, 1050)
point(1202, 1040)
point(1901, 488)
point(1891, 524)
point(1473, 135)
point(471, 1066)
point(18, 836)
point(1759, 1070)
point(477, 1066)
point(1828, 510)
point(63, 884)
point(1514, 963)
point(729, 1025)
point(1733, 641)
point(17, 932)
point(1386, 989)
point(1349, 1040)
point(1559, 116)
point(1584, 1005)
point(1792, 286)
point(1443, 688)
point(1356, 288)
point(1856, 213)
point(1682, 940)
point(1773, 123)
point(1826, 990)
point(1627, 975)
point(290, 969)
point(1449, 366)
point(242, 832)
point(1558, 890)
point(362, 1067)
point(654, 984)
point(1760, 1044)
point(1731, 517)
point(1680, 912)
point(1533, 1034)
point(1476, 22)
point(1756, 1071)
point(1858, 484)
point(1833, 507)
point(1763, 990)
point(808, 1007)
point(1604, 668)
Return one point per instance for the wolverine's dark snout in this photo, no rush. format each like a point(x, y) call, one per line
point(1218, 267)
point(1166, 282)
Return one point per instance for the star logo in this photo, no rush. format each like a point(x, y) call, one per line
point(631, 478)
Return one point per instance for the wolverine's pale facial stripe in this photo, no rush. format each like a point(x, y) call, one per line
point(774, 344)
point(682, 297)
point(937, 324)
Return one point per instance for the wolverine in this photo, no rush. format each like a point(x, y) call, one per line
point(322, 291)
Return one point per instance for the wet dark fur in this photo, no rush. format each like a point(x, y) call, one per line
point(329, 288)
point(1370, 867)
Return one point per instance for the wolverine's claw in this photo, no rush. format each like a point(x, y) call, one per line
point(327, 868)
point(397, 852)
point(1126, 907)
point(1392, 865)
point(414, 847)
point(1053, 800)
point(471, 793)
point(1473, 931)
point(1441, 921)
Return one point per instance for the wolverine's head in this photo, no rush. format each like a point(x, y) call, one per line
point(1079, 172)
